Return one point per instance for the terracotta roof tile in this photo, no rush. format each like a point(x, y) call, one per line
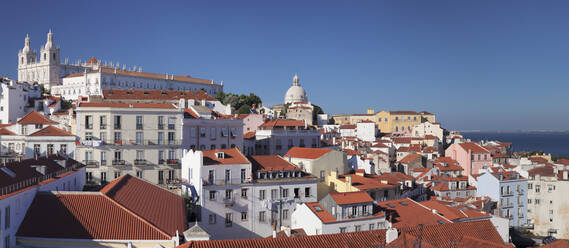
point(307, 153)
point(84, 216)
point(409, 213)
point(116, 94)
point(5, 131)
point(475, 148)
point(231, 156)
point(271, 163)
point(410, 158)
point(158, 206)
point(51, 131)
point(546, 171)
point(148, 75)
point(368, 181)
point(249, 135)
point(351, 197)
point(35, 118)
point(126, 105)
point(283, 123)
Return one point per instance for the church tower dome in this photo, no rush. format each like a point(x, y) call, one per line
point(295, 93)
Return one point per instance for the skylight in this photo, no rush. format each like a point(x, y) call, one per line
point(440, 221)
point(318, 209)
point(390, 205)
point(403, 203)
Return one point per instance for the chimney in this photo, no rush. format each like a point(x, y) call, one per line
point(565, 175)
point(391, 235)
point(286, 230)
point(274, 229)
point(349, 180)
point(360, 172)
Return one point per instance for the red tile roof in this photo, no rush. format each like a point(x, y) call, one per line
point(51, 131)
point(464, 234)
point(351, 197)
point(183, 78)
point(348, 126)
point(562, 161)
point(5, 131)
point(410, 158)
point(307, 153)
point(271, 163)
point(395, 177)
point(163, 209)
point(126, 105)
point(447, 164)
point(430, 137)
point(35, 118)
point(84, 215)
point(409, 213)
point(249, 135)
point(116, 94)
point(283, 123)
point(475, 148)
point(546, 171)
point(231, 156)
point(368, 181)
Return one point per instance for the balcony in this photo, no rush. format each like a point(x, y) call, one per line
point(140, 162)
point(119, 162)
point(160, 125)
point(91, 163)
point(508, 193)
point(172, 162)
point(103, 162)
point(232, 181)
point(229, 202)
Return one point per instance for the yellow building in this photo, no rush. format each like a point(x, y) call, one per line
point(341, 119)
point(377, 188)
point(426, 116)
point(357, 118)
point(397, 121)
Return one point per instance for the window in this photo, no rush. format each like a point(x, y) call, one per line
point(138, 122)
point(228, 219)
point(118, 155)
point(228, 193)
point(103, 136)
point(307, 192)
point(211, 219)
point(243, 175)
point(212, 133)
point(224, 132)
point(262, 194)
point(370, 226)
point(117, 138)
point(244, 193)
point(160, 122)
point(88, 136)
point(139, 138)
point(160, 138)
point(530, 186)
point(171, 136)
point(117, 174)
point(171, 123)
point(233, 132)
point(354, 211)
point(322, 175)
point(212, 194)
point(103, 177)
point(37, 149)
point(243, 216)
point(285, 214)
point(358, 228)
point(227, 176)
point(50, 149)
point(193, 132)
point(139, 174)
point(342, 229)
point(139, 155)
point(285, 193)
point(364, 209)
point(202, 132)
point(102, 122)
point(274, 194)
point(536, 201)
point(117, 121)
point(63, 149)
point(7, 217)
point(537, 188)
point(296, 192)
point(88, 122)
point(262, 216)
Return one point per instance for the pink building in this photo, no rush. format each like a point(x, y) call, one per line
point(470, 156)
point(251, 121)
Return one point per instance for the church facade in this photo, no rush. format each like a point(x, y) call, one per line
point(90, 78)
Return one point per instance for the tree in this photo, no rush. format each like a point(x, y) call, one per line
point(244, 109)
point(238, 101)
point(43, 90)
point(317, 110)
point(65, 104)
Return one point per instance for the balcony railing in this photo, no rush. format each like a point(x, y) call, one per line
point(172, 162)
point(232, 181)
point(91, 163)
point(119, 162)
point(133, 142)
point(103, 162)
point(140, 162)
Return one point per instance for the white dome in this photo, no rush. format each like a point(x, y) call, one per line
point(295, 93)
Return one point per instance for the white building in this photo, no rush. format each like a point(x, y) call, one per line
point(428, 128)
point(366, 130)
point(141, 139)
point(295, 93)
point(35, 135)
point(278, 136)
point(339, 213)
point(322, 119)
point(91, 77)
point(14, 98)
point(20, 183)
point(348, 130)
point(204, 129)
point(241, 198)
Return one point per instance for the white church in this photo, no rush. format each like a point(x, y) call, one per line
point(90, 78)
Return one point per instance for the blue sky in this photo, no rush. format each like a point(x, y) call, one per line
point(479, 65)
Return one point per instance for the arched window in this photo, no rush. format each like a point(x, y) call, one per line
point(22, 60)
point(44, 56)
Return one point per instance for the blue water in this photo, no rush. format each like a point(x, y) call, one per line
point(555, 143)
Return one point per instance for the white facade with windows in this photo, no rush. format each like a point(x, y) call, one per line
point(14, 98)
point(239, 201)
point(143, 140)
